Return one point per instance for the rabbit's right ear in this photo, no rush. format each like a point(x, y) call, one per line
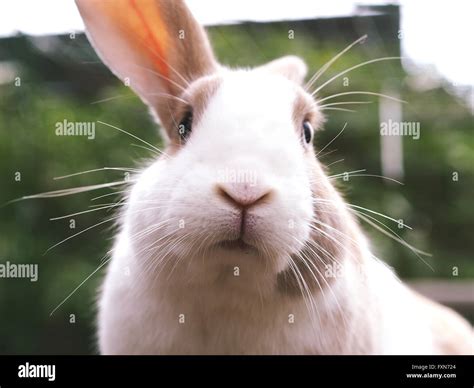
point(155, 46)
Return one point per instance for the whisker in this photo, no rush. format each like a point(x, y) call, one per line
point(112, 98)
point(145, 148)
point(168, 96)
point(335, 137)
point(312, 274)
point(327, 153)
point(83, 212)
point(132, 135)
point(348, 173)
point(146, 46)
point(337, 161)
point(161, 75)
point(81, 284)
point(323, 69)
point(325, 281)
point(180, 257)
point(346, 103)
point(368, 210)
point(362, 92)
point(378, 176)
point(399, 239)
point(97, 169)
point(352, 68)
point(109, 194)
point(336, 241)
point(340, 109)
point(171, 67)
point(70, 191)
point(355, 243)
point(81, 232)
point(305, 292)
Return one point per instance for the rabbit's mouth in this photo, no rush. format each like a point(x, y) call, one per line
point(236, 245)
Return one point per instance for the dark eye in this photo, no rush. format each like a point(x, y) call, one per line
point(185, 126)
point(307, 131)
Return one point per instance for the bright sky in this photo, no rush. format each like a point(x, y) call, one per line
point(436, 33)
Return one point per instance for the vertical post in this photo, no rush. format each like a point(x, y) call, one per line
point(391, 145)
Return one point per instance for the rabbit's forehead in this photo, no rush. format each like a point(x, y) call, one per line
point(252, 90)
point(250, 102)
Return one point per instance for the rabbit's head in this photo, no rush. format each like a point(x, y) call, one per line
point(237, 181)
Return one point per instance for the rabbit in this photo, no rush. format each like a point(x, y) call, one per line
point(228, 237)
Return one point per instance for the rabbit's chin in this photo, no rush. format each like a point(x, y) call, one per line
point(215, 252)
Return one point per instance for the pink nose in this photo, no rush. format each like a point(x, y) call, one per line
point(243, 195)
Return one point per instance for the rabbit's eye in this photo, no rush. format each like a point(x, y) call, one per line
point(307, 131)
point(185, 126)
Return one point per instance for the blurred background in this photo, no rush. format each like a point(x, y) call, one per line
point(49, 73)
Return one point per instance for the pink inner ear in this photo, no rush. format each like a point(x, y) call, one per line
point(152, 35)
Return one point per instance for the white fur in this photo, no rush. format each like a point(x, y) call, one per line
point(142, 302)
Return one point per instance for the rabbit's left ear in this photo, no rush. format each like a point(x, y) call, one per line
point(290, 66)
point(155, 46)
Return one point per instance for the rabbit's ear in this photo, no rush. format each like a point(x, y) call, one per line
point(155, 46)
point(290, 66)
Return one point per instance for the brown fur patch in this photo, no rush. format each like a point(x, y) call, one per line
point(200, 93)
point(305, 108)
point(330, 241)
point(333, 230)
point(195, 99)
